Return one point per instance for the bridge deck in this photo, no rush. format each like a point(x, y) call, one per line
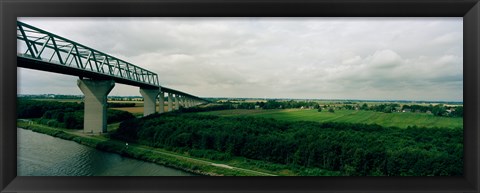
point(45, 51)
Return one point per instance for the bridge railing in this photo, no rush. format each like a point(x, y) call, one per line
point(42, 45)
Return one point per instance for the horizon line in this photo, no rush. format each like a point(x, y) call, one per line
point(280, 98)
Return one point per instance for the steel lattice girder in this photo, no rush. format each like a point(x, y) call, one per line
point(50, 52)
point(45, 46)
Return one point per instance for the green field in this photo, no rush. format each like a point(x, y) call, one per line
point(401, 120)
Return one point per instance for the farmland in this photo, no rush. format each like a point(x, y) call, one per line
point(399, 119)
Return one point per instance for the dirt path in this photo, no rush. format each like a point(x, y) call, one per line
point(202, 161)
point(151, 149)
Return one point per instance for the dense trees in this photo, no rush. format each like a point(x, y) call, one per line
point(62, 114)
point(270, 104)
point(74, 119)
point(116, 105)
point(36, 108)
point(214, 107)
point(458, 112)
point(417, 108)
point(352, 149)
point(273, 104)
point(63, 118)
point(245, 106)
point(436, 110)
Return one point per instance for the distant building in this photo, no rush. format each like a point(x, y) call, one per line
point(137, 99)
point(398, 109)
point(450, 110)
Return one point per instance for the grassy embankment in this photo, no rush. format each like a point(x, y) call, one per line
point(401, 120)
point(154, 155)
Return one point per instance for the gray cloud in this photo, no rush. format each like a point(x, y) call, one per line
point(356, 58)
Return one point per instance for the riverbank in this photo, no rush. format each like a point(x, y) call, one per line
point(44, 155)
point(140, 152)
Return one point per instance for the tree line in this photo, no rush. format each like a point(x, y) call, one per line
point(62, 114)
point(269, 104)
point(436, 110)
point(36, 108)
point(351, 149)
point(120, 105)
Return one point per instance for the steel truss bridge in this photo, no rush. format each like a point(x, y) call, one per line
point(41, 50)
point(49, 52)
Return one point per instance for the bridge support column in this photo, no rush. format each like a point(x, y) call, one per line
point(169, 102)
point(149, 100)
point(185, 102)
point(177, 102)
point(182, 101)
point(161, 99)
point(95, 113)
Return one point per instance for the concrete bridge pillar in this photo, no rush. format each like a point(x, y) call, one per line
point(182, 100)
point(149, 100)
point(185, 102)
point(169, 102)
point(161, 99)
point(95, 100)
point(177, 102)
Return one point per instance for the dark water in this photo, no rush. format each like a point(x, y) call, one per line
point(43, 155)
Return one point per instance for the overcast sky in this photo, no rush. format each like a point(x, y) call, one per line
point(324, 58)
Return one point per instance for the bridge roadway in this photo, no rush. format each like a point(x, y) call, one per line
point(97, 71)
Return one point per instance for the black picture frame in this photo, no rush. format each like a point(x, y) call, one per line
point(11, 9)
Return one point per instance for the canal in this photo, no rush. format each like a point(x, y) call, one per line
point(43, 155)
